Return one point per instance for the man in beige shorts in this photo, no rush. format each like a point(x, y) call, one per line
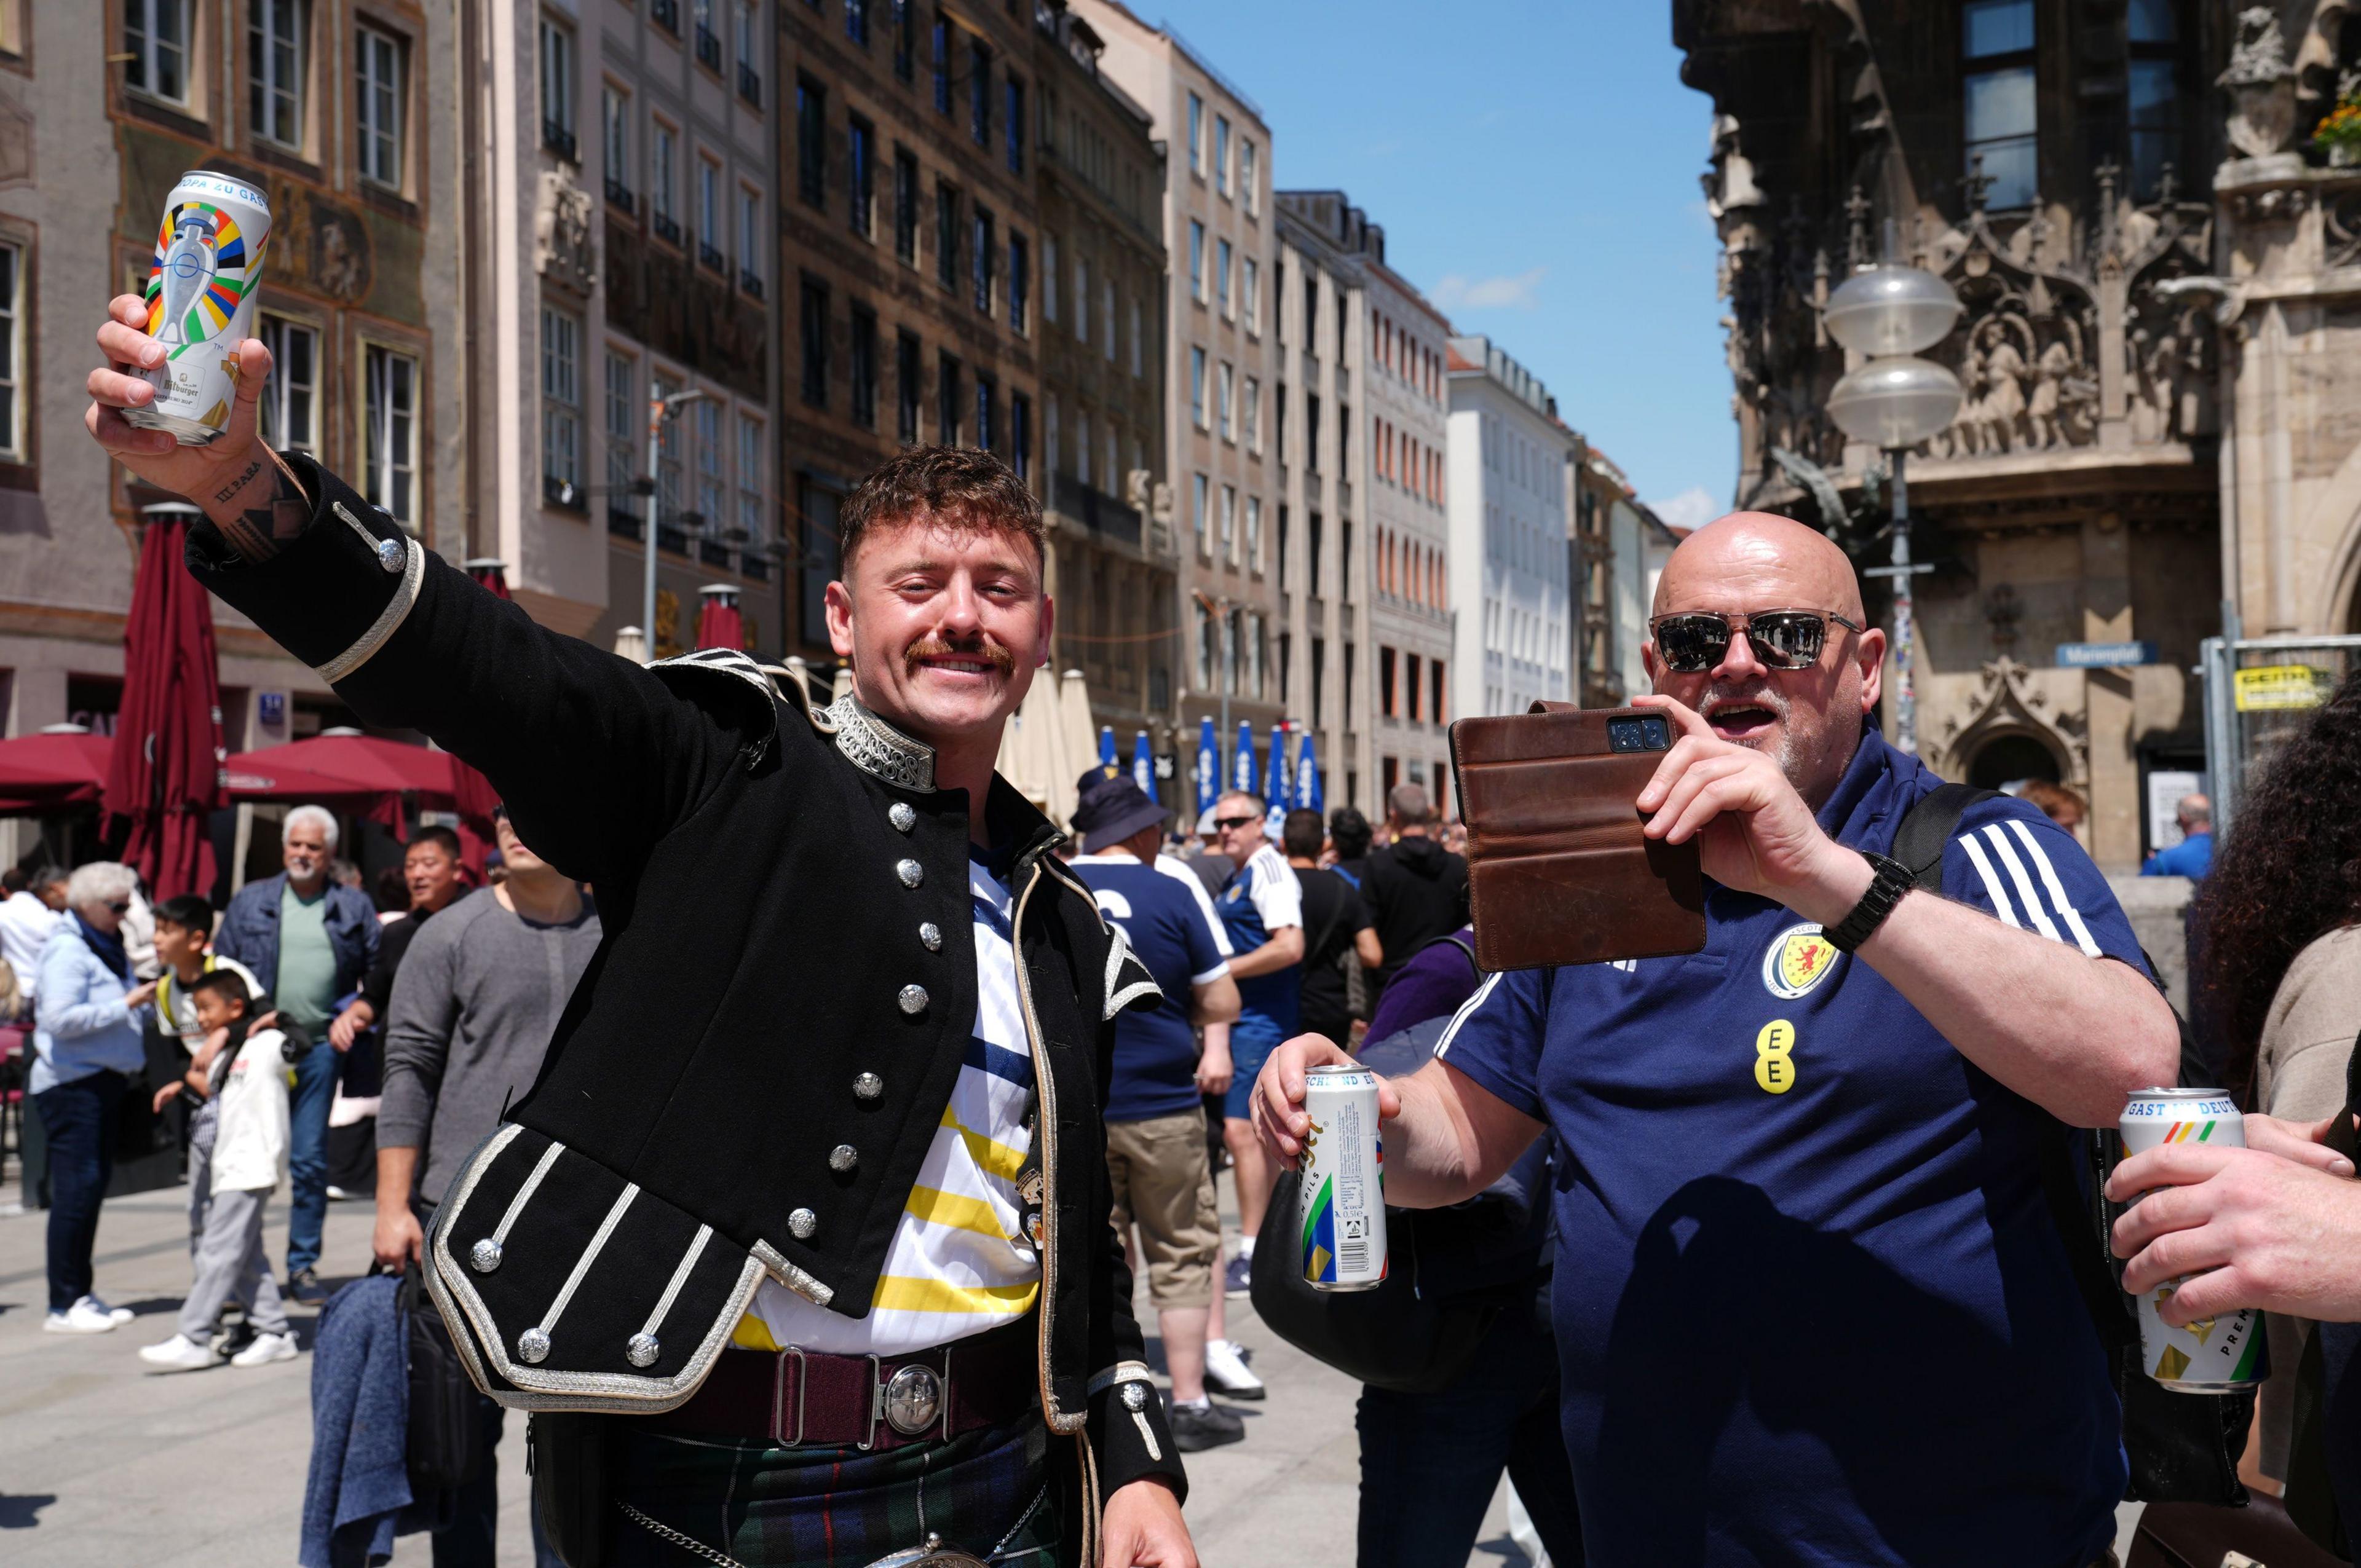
point(1154, 1123)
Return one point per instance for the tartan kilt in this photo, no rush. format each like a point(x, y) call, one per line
point(1004, 1494)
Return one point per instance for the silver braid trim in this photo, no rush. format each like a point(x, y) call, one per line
point(875, 747)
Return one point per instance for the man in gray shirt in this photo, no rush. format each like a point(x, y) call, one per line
point(473, 1009)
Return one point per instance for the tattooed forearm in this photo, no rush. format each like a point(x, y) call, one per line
point(262, 509)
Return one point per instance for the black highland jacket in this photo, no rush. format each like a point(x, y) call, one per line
point(764, 953)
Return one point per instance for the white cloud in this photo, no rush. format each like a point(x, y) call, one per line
point(1515, 292)
point(1693, 508)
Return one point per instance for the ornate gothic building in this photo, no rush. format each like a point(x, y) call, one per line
point(2161, 309)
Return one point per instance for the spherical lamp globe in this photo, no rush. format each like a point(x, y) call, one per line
point(1895, 403)
point(1890, 309)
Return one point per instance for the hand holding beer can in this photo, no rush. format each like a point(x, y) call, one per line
point(1342, 1224)
point(2212, 1355)
point(201, 291)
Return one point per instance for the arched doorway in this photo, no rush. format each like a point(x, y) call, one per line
point(2006, 758)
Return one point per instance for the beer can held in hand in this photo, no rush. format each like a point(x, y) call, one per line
point(201, 291)
point(1343, 1223)
point(2212, 1355)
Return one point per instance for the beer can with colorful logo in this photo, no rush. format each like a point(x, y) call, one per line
point(1342, 1222)
point(201, 291)
point(2212, 1355)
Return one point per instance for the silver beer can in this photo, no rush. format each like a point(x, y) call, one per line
point(1343, 1219)
point(2212, 1355)
point(201, 291)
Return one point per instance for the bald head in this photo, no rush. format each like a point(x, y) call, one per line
point(1759, 560)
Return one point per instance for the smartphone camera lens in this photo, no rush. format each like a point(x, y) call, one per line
point(1660, 734)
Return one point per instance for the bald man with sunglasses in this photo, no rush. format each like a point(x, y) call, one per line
point(1811, 1305)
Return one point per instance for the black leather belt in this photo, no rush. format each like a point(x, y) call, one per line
point(808, 1399)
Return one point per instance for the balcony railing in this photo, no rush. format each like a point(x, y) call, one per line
point(665, 14)
point(672, 537)
point(712, 554)
point(750, 84)
point(750, 282)
point(753, 566)
point(667, 229)
point(619, 195)
point(708, 48)
point(623, 520)
point(1096, 509)
point(712, 258)
point(559, 140)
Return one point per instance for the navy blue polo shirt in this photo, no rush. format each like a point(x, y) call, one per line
point(1810, 1305)
point(1167, 917)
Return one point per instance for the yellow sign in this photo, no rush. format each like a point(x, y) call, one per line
point(2269, 687)
point(1774, 1063)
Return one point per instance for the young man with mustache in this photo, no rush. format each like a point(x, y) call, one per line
point(1811, 1305)
point(826, 1250)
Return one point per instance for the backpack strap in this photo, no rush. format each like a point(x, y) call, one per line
point(1928, 826)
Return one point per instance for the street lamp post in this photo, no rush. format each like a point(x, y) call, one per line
point(1894, 400)
point(660, 409)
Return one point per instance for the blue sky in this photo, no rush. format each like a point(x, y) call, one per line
point(1534, 163)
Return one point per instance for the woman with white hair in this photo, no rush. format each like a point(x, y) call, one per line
point(86, 1047)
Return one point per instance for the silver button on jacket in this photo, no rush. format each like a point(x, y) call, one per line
point(914, 999)
point(911, 872)
point(801, 1224)
point(868, 1086)
point(930, 936)
point(900, 815)
point(843, 1157)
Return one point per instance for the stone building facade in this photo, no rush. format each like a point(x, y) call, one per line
point(1100, 179)
point(1617, 549)
point(342, 114)
point(1363, 579)
point(2057, 165)
point(1512, 591)
point(1221, 367)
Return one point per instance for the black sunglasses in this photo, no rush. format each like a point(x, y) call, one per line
point(1227, 823)
point(1695, 641)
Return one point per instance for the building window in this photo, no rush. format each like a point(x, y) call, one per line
point(561, 403)
point(749, 52)
point(557, 88)
point(749, 240)
point(1020, 434)
point(1197, 518)
point(978, 91)
point(378, 106)
point(1222, 154)
point(1205, 640)
point(620, 407)
point(275, 67)
point(986, 250)
point(1386, 683)
point(1139, 351)
point(2154, 94)
point(156, 47)
point(1998, 98)
point(1197, 386)
point(1230, 524)
point(1253, 415)
point(1049, 279)
point(856, 21)
point(667, 474)
point(1254, 534)
point(1250, 175)
point(1225, 385)
point(864, 368)
point(947, 234)
point(389, 419)
point(861, 149)
point(1019, 282)
point(1196, 136)
point(708, 466)
point(1409, 685)
point(948, 401)
point(906, 41)
point(1107, 317)
point(1013, 125)
point(709, 214)
point(812, 318)
point(290, 398)
point(1049, 451)
point(1083, 445)
point(1082, 300)
point(906, 205)
point(819, 508)
point(663, 201)
point(1196, 260)
point(1310, 433)
point(615, 144)
point(1222, 263)
point(1251, 286)
point(987, 433)
point(943, 40)
point(811, 142)
point(749, 480)
point(906, 376)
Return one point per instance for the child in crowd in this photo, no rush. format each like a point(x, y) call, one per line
point(243, 1075)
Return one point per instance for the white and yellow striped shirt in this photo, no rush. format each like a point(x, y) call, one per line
point(960, 1262)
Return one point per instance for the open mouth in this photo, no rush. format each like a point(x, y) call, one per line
point(1740, 720)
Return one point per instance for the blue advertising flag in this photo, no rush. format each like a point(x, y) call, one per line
point(1274, 789)
point(1307, 779)
point(1242, 761)
point(1106, 744)
point(1208, 766)
point(1143, 771)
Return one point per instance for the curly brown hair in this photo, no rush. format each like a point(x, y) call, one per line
point(964, 486)
point(2289, 872)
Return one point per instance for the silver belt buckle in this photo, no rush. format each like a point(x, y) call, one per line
point(910, 1401)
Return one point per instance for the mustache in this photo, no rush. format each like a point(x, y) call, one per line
point(987, 648)
point(1761, 693)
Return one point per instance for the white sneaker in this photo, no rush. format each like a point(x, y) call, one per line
point(1226, 1373)
point(266, 1349)
point(81, 1317)
point(119, 1314)
point(179, 1353)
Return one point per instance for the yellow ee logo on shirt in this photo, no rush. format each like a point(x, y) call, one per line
point(1774, 1063)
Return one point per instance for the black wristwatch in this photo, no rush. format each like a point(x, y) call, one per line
point(1891, 880)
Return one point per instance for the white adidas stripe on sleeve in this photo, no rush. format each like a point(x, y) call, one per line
point(2057, 889)
point(2022, 882)
point(1993, 889)
point(1465, 1008)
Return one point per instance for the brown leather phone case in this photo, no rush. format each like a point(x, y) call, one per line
point(1558, 871)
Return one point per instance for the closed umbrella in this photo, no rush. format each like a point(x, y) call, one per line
point(1208, 765)
point(492, 573)
point(1242, 762)
point(1106, 744)
point(719, 624)
point(1143, 771)
point(1308, 794)
point(165, 777)
point(1274, 784)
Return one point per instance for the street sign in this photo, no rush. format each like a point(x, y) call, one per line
point(2103, 655)
point(2274, 686)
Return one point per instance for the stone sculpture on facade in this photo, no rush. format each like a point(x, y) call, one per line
point(2261, 84)
point(566, 253)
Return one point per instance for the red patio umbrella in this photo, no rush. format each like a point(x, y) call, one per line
point(719, 624)
point(64, 765)
point(165, 778)
point(384, 770)
point(491, 572)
